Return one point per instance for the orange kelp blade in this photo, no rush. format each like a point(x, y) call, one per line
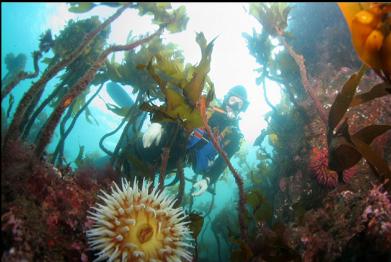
point(370, 36)
point(349, 10)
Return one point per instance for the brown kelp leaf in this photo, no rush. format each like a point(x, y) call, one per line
point(177, 108)
point(112, 71)
point(77, 103)
point(254, 198)
point(11, 101)
point(344, 99)
point(342, 154)
point(151, 70)
point(112, 4)
point(243, 254)
point(211, 93)
point(378, 90)
point(179, 21)
point(90, 117)
point(138, 164)
point(171, 67)
point(367, 134)
point(196, 223)
point(264, 212)
point(158, 115)
point(121, 111)
point(141, 66)
point(147, 107)
point(371, 43)
point(372, 157)
point(192, 90)
point(47, 60)
point(299, 210)
point(80, 7)
point(80, 157)
point(255, 179)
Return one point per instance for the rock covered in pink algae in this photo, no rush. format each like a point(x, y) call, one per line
point(377, 216)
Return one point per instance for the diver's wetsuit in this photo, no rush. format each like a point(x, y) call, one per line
point(230, 137)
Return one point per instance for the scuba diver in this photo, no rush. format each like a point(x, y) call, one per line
point(143, 153)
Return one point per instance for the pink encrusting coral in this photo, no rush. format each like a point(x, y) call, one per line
point(319, 167)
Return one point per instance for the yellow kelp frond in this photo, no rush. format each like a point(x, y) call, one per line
point(193, 89)
point(182, 85)
point(271, 16)
point(349, 10)
point(370, 26)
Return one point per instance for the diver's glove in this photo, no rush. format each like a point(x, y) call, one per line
point(203, 186)
point(152, 135)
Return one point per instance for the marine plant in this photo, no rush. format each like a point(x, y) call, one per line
point(59, 151)
point(345, 150)
point(285, 121)
point(64, 44)
point(197, 222)
point(47, 131)
point(50, 72)
point(190, 80)
point(162, 17)
point(224, 231)
point(15, 65)
point(129, 73)
point(370, 28)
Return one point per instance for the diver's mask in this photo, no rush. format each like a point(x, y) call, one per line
point(234, 107)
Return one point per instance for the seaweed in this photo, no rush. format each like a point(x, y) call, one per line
point(183, 86)
point(161, 17)
point(16, 65)
point(50, 72)
point(370, 27)
point(58, 152)
point(346, 150)
point(17, 73)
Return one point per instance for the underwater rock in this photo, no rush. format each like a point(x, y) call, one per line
point(43, 215)
point(328, 233)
